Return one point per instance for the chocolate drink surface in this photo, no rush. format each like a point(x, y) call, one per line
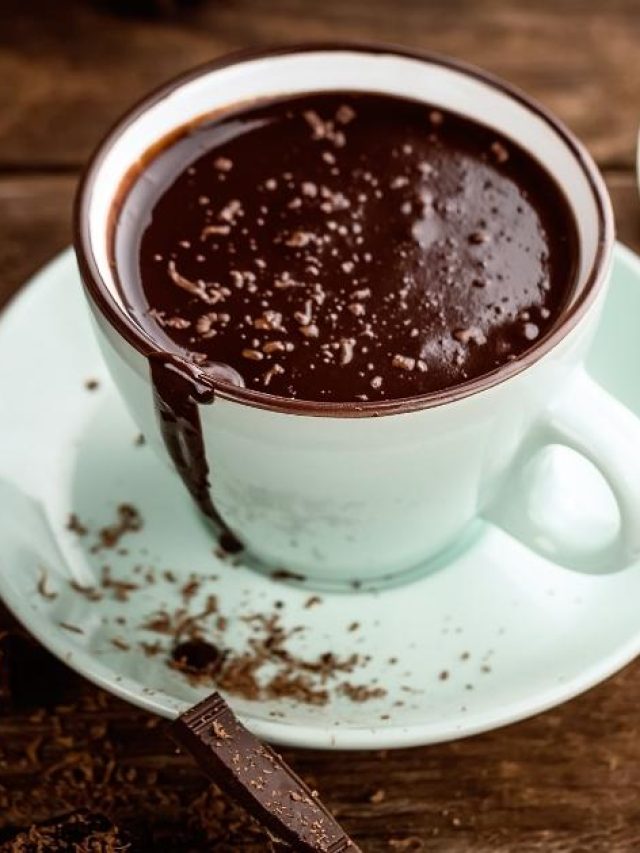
point(345, 247)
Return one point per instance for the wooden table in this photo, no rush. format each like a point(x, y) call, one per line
point(568, 780)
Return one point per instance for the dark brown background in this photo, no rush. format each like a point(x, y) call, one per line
point(566, 781)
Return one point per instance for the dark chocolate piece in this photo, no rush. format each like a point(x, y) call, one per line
point(258, 778)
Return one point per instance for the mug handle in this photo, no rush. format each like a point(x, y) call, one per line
point(591, 422)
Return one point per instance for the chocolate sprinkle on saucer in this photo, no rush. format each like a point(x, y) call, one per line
point(197, 656)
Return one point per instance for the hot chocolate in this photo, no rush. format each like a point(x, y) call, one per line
point(344, 247)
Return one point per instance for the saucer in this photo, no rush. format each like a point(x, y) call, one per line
point(103, 559)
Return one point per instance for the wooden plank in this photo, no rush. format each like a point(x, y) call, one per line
point(65, 77)
point(35, 217)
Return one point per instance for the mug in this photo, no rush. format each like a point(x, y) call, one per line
point(357, 492)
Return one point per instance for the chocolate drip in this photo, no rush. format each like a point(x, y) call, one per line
point(258, 778)
point(178, 391)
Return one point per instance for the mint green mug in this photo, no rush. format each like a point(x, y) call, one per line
point(358, 492)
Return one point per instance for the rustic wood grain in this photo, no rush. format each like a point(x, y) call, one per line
point(567, 781)
point(35, 224)
point(66, 75)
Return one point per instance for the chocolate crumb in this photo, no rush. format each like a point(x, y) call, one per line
point(220, 731)
point(286, 575)
point(216, 230)
point(310, 330)
point(150, 649)
point(273, 371)
point(121, 589)
point(91, 384)
point(476, 238)
point(360, 692)
point(195, 288)
point(404, 362)
point(189, 589)
point(73, 628)
point(471, 335)
point(129, 521)
point(89, 592)
point(252, 354)
point(41, 587)
point(223, 164)
point(75, 525)
point(500, 152)
point(345, 114)
point(346, 350)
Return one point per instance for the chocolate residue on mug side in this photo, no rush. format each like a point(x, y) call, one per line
point(177, 393)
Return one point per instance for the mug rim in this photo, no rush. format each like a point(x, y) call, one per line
point(122, 323)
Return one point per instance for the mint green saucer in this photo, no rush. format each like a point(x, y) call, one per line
point(496, 635)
